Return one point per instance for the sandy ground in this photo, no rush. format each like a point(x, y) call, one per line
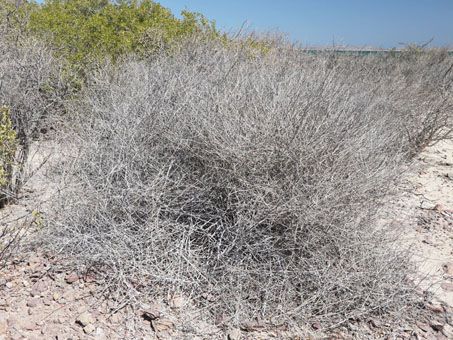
point(423, 212)
point(42, 300)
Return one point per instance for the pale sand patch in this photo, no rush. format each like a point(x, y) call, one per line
point(427, 229)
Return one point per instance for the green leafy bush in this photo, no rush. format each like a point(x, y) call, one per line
point(83, 30)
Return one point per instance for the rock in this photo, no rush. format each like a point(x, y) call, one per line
point(71, 278)
point(252, 325)
point(316, 325)
point(30, 311)
point(25, 283)
point(56, 296)
point(88, 329)
point(61, 320)
point(162, 325)
point(436, 325)
point(30, 326)
point(115, 318)
point(427, 205)
point(32, 303)
point(448, 268)
point(9, 285)
point(423, 326)
point(447, 286)
point(85, 319)
point(13, 324)
point(439, 207)
point(153, 311)
point(60, 336)
point(234, 334)
point(35, 293)
point(436, 309)
point(35, 259)
point(40, 287)
point(81, 309)
point(177, 302)
point(447, 330)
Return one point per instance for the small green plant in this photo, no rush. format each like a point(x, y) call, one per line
point(38, 221)
point(8, 146)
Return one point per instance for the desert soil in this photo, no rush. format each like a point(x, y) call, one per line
point(41, 298)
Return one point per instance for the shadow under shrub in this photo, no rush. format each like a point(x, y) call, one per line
point(255, 180)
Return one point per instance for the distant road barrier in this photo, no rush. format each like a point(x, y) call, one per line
point(357, 52)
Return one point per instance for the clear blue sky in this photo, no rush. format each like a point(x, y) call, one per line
point(378, 23)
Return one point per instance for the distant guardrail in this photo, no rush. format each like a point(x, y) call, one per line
point(359, 52)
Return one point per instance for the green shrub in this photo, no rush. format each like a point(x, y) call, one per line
point(8, 146)
point(83, 30)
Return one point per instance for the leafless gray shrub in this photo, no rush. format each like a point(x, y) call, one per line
point(247, 181)
point(33, 86)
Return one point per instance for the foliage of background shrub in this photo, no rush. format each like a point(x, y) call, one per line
point(83, 30)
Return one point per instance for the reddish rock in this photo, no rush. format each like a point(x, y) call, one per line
point(32, 303)
point(40, 286)
point(30, 326)
point(316, 325)
point(13, 324)
point(35, 259)
point(423, 326)
point(3, 327)
point(252, 325)
point(439, 207)
point(177, 302)
point(71, 278)
point(437, 309)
